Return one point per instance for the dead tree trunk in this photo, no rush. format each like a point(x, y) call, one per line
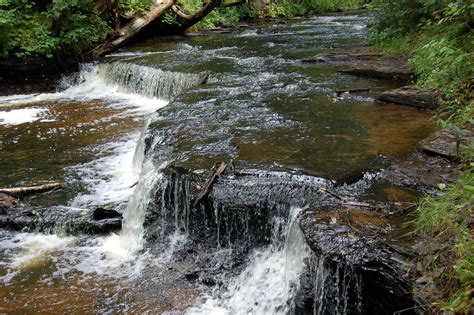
point(22, 191)
point(186, 21)
point(134, 27)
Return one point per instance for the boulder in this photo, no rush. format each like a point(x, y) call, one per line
point(354, 269)
point(101, 214)
point(447, 143)
point(411, 95)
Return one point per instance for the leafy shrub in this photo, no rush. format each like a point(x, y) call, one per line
point(131, 7)
point(26, 27)
point(438, 37)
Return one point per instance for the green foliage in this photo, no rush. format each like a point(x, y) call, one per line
point(450, 216)
point(81, 25)
point(26, 27)
point(437, 35)
point(220, 16)
point(316, 6)
point(226, 16)
point(131, 7)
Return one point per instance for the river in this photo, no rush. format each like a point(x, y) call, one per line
point(113, 132)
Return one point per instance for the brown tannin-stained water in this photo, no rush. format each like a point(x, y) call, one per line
point(110, 130)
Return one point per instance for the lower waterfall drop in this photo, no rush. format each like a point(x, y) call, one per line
point(270, 281)
point(124, 246)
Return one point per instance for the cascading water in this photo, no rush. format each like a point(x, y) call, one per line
point(125, 245)
point(336, 289)
point(270, 281)
point(122, 82)
point(127, 173)
point(147, 81)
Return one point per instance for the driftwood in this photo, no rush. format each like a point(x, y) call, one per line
point(23, 191)
point(339, 92)
point(134, 27)
point(216, 171)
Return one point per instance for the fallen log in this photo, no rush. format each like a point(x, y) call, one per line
point(62, 219)
point(133, 28)
point(23, 191)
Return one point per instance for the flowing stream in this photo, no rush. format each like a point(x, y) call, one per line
point(112, 131)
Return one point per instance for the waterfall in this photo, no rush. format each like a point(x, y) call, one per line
point(117, 82)
point(271, 279)
point(337, 288)
point(125, 245)
point(147, 81)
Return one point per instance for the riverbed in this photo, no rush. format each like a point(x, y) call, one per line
point(111, 131)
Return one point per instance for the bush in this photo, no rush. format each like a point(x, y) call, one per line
point(446, 219)
point(27, 27)
point(437, 35)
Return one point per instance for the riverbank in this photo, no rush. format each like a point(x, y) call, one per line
point(437, 38)
point(300, 131)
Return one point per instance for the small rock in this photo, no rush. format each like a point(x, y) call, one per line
point(7, 203)
point(101, 214)
point(423, 280)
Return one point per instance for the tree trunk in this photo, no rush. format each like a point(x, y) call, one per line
point(22, 191)
point(133, 28)
point(187, 21)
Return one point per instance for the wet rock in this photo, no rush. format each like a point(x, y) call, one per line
point(239, 208)
point(422, 172)
point(387, 73)
point(101, 214)
point(411, 95)
point(349, 235)
point(364, 62)
point(7, 203)
point(353, 264)
point(432, 167)
point(447, 143)
point(59, 219)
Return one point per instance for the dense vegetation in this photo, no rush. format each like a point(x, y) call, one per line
point(48, 28)
point(438, 36)
point(447, 222)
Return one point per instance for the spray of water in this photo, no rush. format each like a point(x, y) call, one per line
point(271, 279)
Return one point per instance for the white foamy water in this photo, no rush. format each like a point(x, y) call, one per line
point(21, 116)
point(109, 179)
point(128, 243)
point(269, 282)
point(114, 180)
point(90, 85)
point(24, 250)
